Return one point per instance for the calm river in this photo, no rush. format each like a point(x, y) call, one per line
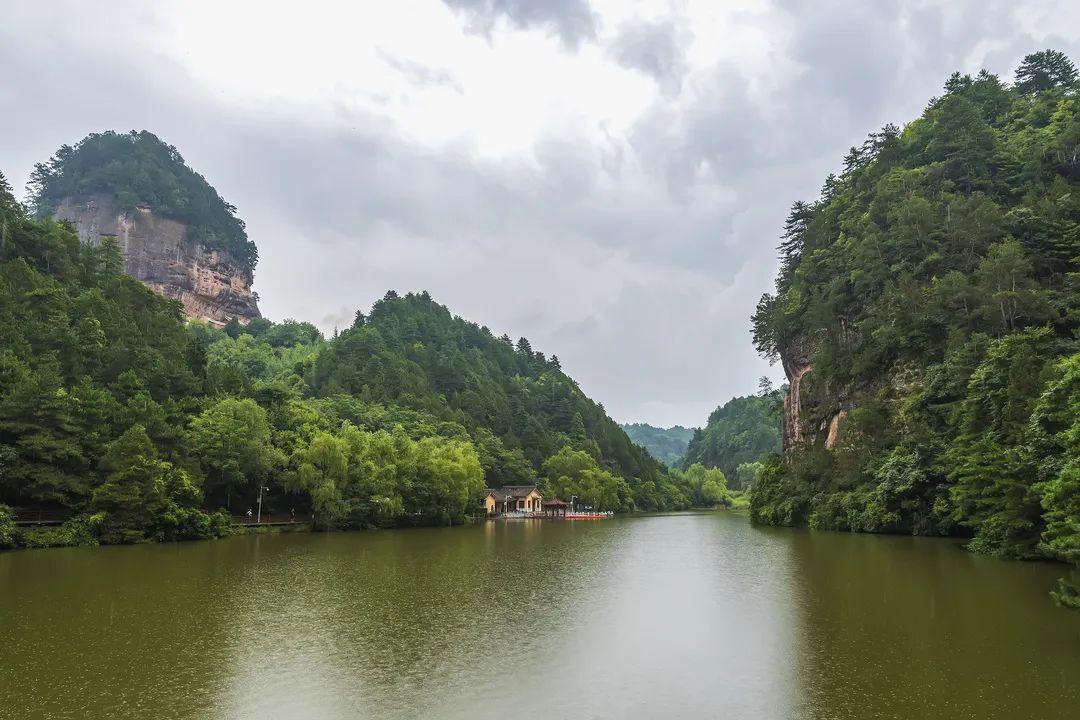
point(681, 616)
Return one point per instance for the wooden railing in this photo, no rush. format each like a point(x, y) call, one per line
point(40, 516)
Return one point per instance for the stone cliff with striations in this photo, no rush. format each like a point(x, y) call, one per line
point(813, 413)
point(210, 284)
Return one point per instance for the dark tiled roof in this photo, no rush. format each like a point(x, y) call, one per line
point(510, 491)
point(519, 490)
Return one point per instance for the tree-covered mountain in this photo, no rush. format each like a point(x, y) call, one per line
point(137, 425)
point(137, 168)
point(667, 445)
point(926, 313)
point(741, 432)
point(517, 404)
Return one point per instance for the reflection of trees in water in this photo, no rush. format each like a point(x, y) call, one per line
point(916, 627)
point(114, 632)
point(684, 612)
point(387, 617)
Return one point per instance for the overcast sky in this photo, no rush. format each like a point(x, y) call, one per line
point(604, 177)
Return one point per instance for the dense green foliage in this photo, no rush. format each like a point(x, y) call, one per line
point(574, 473)
point(139, 169)
point(933, 289)
point(740, 432)
point(116, 413)
point(702, 486)
point(97, 377)
point(114, 410)
point(667, 445)
point(9, 532)
point(516, 404)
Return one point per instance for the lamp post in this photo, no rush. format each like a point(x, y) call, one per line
point(258, 517)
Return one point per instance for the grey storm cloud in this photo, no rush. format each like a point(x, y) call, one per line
point(655, 48)
point(421, 74)
point(637, 260)
point(572, 20)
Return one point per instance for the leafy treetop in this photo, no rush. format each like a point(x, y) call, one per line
point(137, 168)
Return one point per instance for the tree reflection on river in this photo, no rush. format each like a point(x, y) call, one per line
point(646, 617)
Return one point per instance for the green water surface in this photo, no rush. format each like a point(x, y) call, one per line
point(679, 616)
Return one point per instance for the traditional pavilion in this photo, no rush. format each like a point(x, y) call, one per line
point(556, 507)
point(521, 499)
point(513, 498)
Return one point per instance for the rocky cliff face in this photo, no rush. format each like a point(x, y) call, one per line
point(810, 415)
point(210, 284)
point(796, 362)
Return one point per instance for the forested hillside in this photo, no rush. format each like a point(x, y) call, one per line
point(137, 168)
point(738, 436)
point(926, 313)
point(97, 377)
point(516, 403)
point(667, 445)
point(116, 413)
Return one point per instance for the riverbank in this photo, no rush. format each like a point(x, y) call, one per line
point(740, 502)
point(271, 528)
point(79, 531)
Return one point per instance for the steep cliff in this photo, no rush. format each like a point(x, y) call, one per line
point(813, 410)
point(794, 368)
point(176, 233)
point(211, 284)
point(926, 313)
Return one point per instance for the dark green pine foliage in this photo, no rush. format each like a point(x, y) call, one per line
point(667, 445)
point(137, 169)
point(86, 353)
point(516, 403)
point(742, 430)
point(935, 283)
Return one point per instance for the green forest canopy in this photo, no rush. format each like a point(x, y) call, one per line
point(741, 432)
point(933, 286)
point(138, 425)
point(137, 169)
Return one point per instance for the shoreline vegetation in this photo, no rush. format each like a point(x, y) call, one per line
point(75, 534)
point(926, 314)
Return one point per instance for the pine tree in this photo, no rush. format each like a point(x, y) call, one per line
point(133, 494)
point(1043, 70)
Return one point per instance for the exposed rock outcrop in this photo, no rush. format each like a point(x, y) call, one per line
point(210, 284)
point(833, 435)
point(793, 430)
point(811, 415)
point(795, 359)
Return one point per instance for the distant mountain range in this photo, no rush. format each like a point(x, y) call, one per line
point(668, 445)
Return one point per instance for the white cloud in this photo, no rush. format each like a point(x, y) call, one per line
point(605, 178)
